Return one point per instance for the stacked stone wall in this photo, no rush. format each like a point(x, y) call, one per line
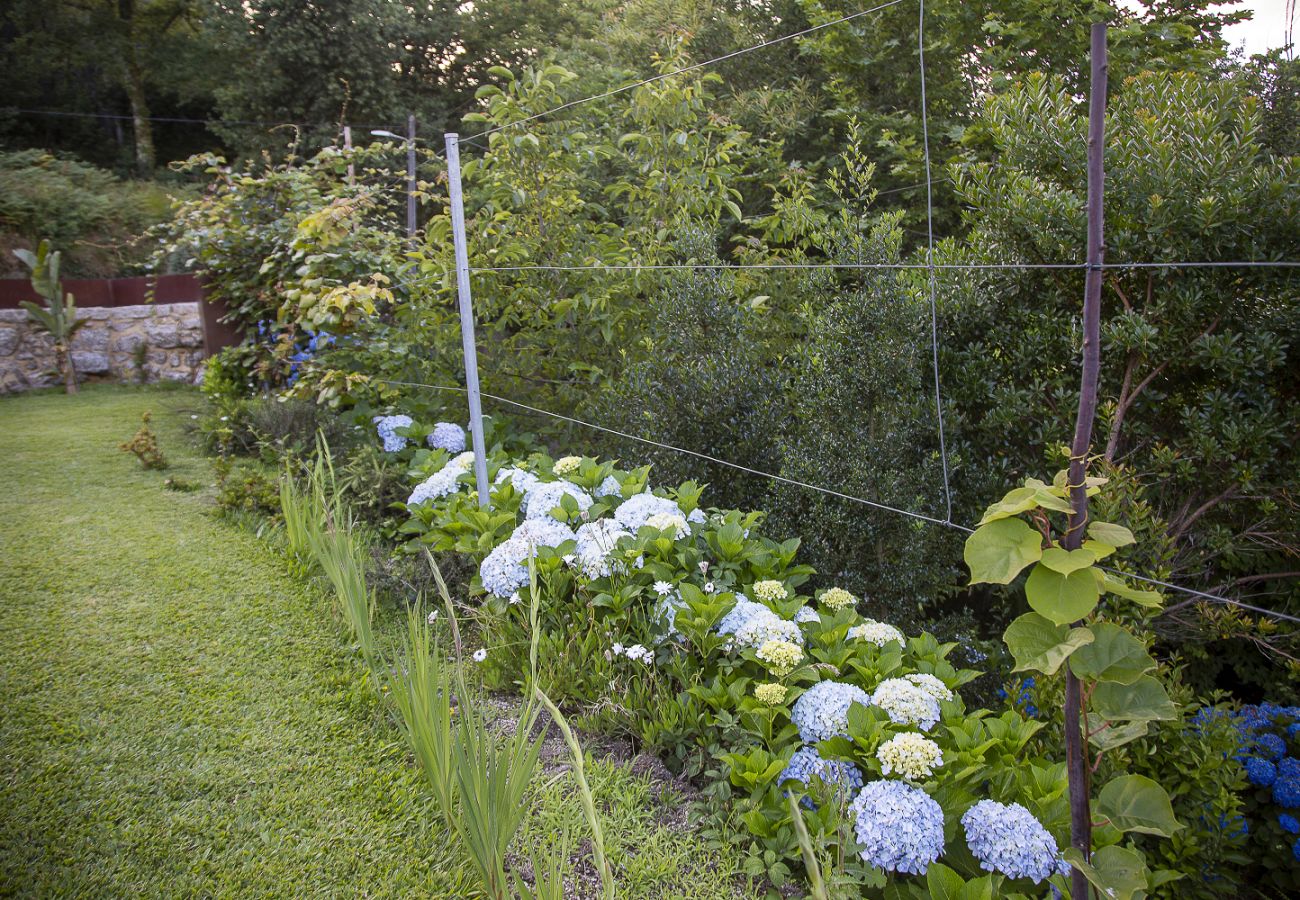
point(106, 346)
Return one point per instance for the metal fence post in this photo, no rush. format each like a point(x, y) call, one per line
point(466, 315)
point(410, 178)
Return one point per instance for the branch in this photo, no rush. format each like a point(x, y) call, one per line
point(1201, 510)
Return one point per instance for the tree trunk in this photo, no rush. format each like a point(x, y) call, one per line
point(133, 84)
point(63, 358)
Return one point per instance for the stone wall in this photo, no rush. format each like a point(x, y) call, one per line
point(104, 347)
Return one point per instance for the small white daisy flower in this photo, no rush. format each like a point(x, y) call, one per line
point(480, 655)
point(663, 588)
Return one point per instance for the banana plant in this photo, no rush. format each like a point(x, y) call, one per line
point(58, 317)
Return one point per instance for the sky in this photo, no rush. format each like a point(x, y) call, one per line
point(1265, 31)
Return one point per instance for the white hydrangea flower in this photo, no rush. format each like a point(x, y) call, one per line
point(806, 614)
point(906, 703)
point(878, 633)
point(780, 657)
point(931, 685)
point(523, 480)
point(596, 542)
point(447, 436)
point(770, 591)
point(910, 755)
point(546, 496)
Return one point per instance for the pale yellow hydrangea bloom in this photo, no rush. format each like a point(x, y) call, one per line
point(836, 599)
point(780, 657)
point(770, 591)
point(567, 465)
point(770, 694)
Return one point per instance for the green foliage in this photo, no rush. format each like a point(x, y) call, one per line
point(1197, 383)
point(96, 217)
point(1069, 625)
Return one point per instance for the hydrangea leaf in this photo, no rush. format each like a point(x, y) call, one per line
point(1116, 872)
point(1062, 598)
point(1109, 533)
point(997, 552)
point(1113, 655)
point(1108, 735)
point(1137, 803)
point(1040, 645)
point(1144, 700)
point(1066, 561)
point(942, 883)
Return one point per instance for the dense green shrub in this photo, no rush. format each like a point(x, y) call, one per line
point(703, 382)
point(94, 217)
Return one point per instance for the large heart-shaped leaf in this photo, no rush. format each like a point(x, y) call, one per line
point(1061, 598)
point(997, 552)
point(1041, 645)
point(1116, 872)
point(1145, 700)
point(1137, 803)
point(1113, 655)
point(1016, 501)
point(1108, 735)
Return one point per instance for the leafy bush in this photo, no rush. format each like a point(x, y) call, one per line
point(96, 217)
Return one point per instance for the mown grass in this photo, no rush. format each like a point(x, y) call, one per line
point(182, 718)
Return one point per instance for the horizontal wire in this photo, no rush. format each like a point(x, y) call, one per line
point(704, 456)
point(181, 120)
point(637, 267)
point(691, 68)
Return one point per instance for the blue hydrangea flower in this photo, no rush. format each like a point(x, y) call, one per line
point(447, 436)
point(806, 763)
point(899, 826)
point(386, 425)
point(1286, 793)
point(1260, 771)
point(505, 569)
point(1007, 838)
point(822, 711)
point(806, 614)
point(1295, 849)
point(608, 488)
point(1290, 824)
point(1288, 767)
point(635, 511)
point(1270, 746)
point(753, 624)
point(443, 482)
point(546, 496)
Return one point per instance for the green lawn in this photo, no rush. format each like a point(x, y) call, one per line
point(182, 718)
